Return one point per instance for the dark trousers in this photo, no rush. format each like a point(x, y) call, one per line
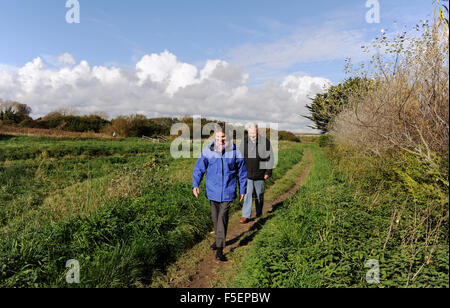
point(220, 215)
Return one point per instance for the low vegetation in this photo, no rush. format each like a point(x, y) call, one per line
point(118, 207)
point(326, 234)
point(380, 194)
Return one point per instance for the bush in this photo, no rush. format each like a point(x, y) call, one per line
point(408, 110)
point(30, 123)
point(13, 112)
point(92, 123)
point(138, 125)
point(326, 106)
point(393, 143)
point(325, 140)
point(287, 136)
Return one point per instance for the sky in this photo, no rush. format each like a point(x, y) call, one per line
point(239, 61)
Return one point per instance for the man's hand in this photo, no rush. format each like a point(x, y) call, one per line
point(242, 197)
point(196, 191)
point(266, 177)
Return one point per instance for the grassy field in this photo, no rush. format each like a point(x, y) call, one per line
point(122, 208)
point(324, 236)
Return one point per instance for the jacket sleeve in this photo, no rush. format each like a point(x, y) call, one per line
point(242, 171)
point(199, 170)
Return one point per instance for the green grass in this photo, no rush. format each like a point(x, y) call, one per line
point(26, 184)
point(324, 235)
point(226, 274)
point(23, 147)
point(121, 209)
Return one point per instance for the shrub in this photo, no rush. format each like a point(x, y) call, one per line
point(326, 106)
point(13, 112)
point(325, 140)
point(408, 110)
point(325, 234)
point(287, 136)
point(394, 142)
point(92, 123)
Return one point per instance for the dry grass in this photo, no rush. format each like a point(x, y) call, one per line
point(409, 109)
point(25, 131)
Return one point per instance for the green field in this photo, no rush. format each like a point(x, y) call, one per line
point(123, 209)
point(325, 234)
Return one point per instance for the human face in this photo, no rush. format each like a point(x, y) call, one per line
point(253, 133)
point(220, 138)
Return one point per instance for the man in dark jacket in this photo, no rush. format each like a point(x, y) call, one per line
point(258, 156)
point(224, 166)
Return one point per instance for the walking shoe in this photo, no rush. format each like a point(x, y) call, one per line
point(213, 247)
point(258, 215)
point(220, 256)
point(244, 220)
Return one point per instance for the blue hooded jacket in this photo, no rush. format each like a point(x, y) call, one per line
point(222, 173)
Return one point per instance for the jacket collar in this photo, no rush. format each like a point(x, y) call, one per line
point(258, 139)
point(230, 147)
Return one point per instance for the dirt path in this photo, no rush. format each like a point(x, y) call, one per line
point(206, 268)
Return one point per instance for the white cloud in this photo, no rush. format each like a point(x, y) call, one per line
point(166, 68)
point(161, 85)
point(300, 45)
point(66, 58)
point(304, 86)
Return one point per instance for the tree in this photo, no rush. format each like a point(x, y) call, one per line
point(64, 111)
point(134, 125)
point(325, 107)
point(13, 112)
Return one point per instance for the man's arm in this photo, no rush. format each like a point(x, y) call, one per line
point(270, 163)
point(242, 172)
point(197, 175)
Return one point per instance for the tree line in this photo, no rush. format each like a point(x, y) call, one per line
point(68, 119)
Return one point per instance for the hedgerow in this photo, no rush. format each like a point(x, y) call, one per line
point(324, 236)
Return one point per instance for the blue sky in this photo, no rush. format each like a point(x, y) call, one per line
point(268, 40)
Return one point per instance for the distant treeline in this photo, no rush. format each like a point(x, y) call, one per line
point(66, 119)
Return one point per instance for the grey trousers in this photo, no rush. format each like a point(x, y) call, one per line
point(220, 215)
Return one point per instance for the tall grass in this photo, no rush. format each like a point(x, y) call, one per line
point(121, 216)
point(393, 142)
point(324, 236)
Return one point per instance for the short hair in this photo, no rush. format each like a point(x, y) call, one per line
point(220, 127)
point(252, 125)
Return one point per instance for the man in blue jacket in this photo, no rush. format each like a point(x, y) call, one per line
point(224, 166)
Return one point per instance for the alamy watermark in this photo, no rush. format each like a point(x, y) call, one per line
point(73, 14)
point(73, 274)
point(187, 146)
point(373, 15)
point(373, 274)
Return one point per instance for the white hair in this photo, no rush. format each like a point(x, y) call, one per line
point(252, 125)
